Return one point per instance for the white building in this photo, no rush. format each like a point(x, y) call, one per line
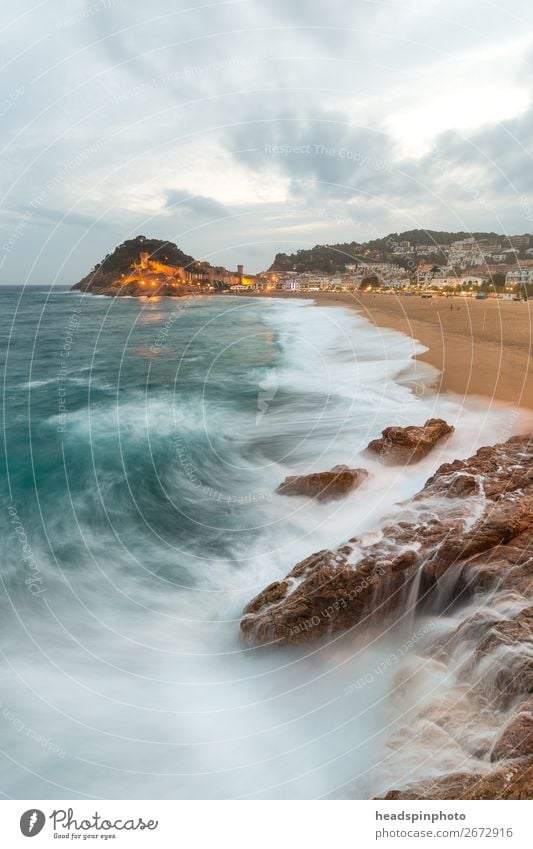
point(473, 280)
point(520, 275)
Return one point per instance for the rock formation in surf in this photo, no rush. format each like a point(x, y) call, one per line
point(510, 781)
point(465, 539)
point(324, 486)
point(400, 445)
point(483, 720)
point(473, 517)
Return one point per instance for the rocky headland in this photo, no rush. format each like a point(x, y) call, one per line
point(143, 267)
point(464, 542)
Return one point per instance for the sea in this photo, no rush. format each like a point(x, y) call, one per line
point(143, 442)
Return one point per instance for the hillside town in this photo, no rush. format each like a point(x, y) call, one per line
point(497, 267)
point(480, 266)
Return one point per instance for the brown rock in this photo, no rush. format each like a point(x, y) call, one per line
point(516, 739)
point(507, 676)
point(470, 631)
point(500, 469)
point(509, 632)
point(513, 780)
point(462, 485)
point(470, 530)
point(500, 523)
point(324, 486)
point(331, 596)
point(499, 671)
point(499, 667)
point(398, 445)
point(453, 546)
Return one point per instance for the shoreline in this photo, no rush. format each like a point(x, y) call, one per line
point(457, 560)
point(481, 348)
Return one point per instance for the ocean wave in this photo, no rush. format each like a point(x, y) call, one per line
point(153, 519)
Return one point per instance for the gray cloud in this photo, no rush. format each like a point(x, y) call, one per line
point(240, 128)
point(198, 205)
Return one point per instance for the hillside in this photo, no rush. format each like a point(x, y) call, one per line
point(326, 258)
point(400, 248)
point(142, 266)
point(435, 237)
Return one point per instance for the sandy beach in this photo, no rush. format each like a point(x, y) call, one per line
point(480, 347)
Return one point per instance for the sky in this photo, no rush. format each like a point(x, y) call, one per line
point(241, 128)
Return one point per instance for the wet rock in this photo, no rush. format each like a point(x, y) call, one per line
point(499, 524)
point(270, 595)
point(499, 469)
point(330, 596)
point(324, 486)
point(507, 674)
point(516, 739)
point(513, 780)
point(399, 445)
point(468, 534)
point(450, 547)
point(485, 713)
point(462, 485)
point(517, 630)
point(469, 632)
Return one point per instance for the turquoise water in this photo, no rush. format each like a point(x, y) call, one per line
point(143, 442)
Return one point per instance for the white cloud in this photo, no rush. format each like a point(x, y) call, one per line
point(465, 92)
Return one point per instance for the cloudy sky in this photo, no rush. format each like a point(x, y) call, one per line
point(239, 128)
